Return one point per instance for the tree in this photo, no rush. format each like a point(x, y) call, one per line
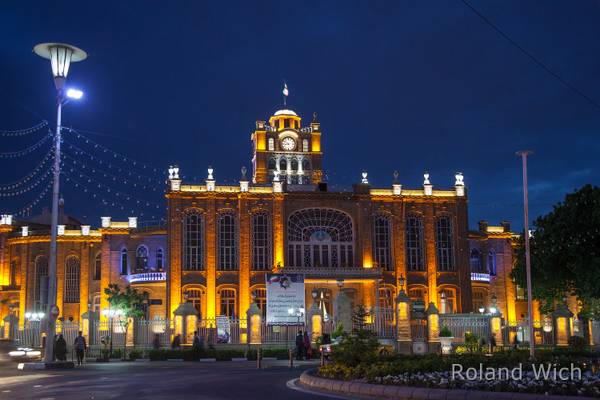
point(128, 302)
point(565, 253)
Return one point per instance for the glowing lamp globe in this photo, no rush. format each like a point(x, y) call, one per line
point(61, 56)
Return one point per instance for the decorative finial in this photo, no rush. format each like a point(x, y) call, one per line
point(426, 179)
point(460, 179)
point(314, 117)
point(396, 174)
point(244, 173)
point(175, 172)
point(210, 173)
point(171, 170)
point(364, 177)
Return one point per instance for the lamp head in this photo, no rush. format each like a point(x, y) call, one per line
point(61, 56)
point(75, 94)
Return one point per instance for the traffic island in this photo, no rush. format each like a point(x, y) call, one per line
point(45, 365)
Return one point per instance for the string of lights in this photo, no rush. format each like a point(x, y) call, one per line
point(95, 194)
point(115, 155)
point(29, 207)
point(71, 172)
point(23, 132)
point(123, 170)
point(108, 175)
point(30, 176)
point(29, 187)
point(28, 150)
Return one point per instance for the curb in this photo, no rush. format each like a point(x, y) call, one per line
point(355, 388)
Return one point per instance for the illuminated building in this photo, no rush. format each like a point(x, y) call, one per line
point(220, 240)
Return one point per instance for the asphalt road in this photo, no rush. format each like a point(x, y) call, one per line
point(152, 380)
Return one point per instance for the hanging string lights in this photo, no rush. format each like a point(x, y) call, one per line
point(23, 132)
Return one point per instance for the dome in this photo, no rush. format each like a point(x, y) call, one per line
point(286, 112)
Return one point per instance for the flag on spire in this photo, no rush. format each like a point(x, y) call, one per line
point(286, 92)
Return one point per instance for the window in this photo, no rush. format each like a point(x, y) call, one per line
point(446, 300)
point(159, 259)
point(491, 262)
point(124, 262)
point(194, 297)
point(443, 244)
point(272, 164)
point(418, 294)
point(271, 144)
point(305, 164)
point(141, 259)
point(386, 298)
point(261, 241)
point(305, 145)
point(286, 123)
point(227, 302)
point(98, 267)
point(415, 259)
point(381, 242)
point(475, 261)
point(521, 293)
point(282, 164)
point(294, 164)
point(193, 242)
point(260, 298)
point(40, 297)
point(72, 280)
point(479, 299)
point(227, 243)
point(13, 274)
point(96, 303)
point(320, 238)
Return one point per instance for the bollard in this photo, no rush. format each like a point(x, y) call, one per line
point(291, 357)
point(322, 358)
point(258, 357)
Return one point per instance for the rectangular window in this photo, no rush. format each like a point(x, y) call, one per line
point(227, 246)
point(444, 244)
point(381, 243)
point(414, 244)
point(193, 242)
point(72, 280)
point(261, 242)
point(227, 300)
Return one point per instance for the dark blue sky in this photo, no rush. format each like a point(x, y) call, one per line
point(411, 86)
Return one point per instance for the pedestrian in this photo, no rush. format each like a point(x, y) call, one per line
point(156, 342)
point(176, 343)
point(196, 344)
point(307, 346)
point(80, 347)
point(299, 345)
point(61, 348)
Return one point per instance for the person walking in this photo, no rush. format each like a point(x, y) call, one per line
point(299, 345)
point(61, 348)
point(80, 348)
point(156, 342)
point(197, 344)
point(307, 345)
point(176, 343)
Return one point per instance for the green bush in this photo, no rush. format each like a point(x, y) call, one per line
point(445, 332)
point(577, 343)
point(135, 354)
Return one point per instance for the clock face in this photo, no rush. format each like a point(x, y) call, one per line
point(288, 144)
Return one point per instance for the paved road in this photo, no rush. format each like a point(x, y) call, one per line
point(152, 380)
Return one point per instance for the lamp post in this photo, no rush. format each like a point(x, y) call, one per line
point(523, 154)
point(61, 56)
point(110, 313)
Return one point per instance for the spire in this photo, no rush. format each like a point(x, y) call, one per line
point(286, 93)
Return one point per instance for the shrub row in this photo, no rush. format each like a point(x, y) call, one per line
point(219, 355)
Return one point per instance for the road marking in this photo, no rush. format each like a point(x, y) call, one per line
point(6, 391)
point(37, 386)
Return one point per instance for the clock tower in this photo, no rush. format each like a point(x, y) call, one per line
point(284, 148)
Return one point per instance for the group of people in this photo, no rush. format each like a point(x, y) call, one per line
point(197, 343)
point(303, 346)
point(60, 347)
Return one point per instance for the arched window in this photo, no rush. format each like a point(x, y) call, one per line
point(475, 261)
point(305, 145)
point(415, 259)
point(294, 164)
point(382, 242)
point(123, 261)
point(141, 259)
point(72, 280)
point(193, 242)
point(41, 283)
point(320, 237)
point(418, 294)
point(444, 244)
point(160, 263)
point(12, 279)
point(227, 302)
point(491, 262)
point(96, 303)
point(282, 164)
point(447, 301)
point(194, 297)
point(272, 164)
point(479, 298)
point(271, 144)
point(261, 241)
point(260, 298)
point(305, 164)
point(227, 242)
point(98, 267)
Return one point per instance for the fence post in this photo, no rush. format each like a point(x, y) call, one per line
point(403, 333)
point(258, 358)
point(433, 328)
point(254, 324)
point(496, 328)
point(291, 358)
point(562, 324)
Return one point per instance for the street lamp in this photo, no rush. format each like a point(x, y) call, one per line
point(61, 56)
point(401, 282)
point(481, 310)
point(110, 313)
